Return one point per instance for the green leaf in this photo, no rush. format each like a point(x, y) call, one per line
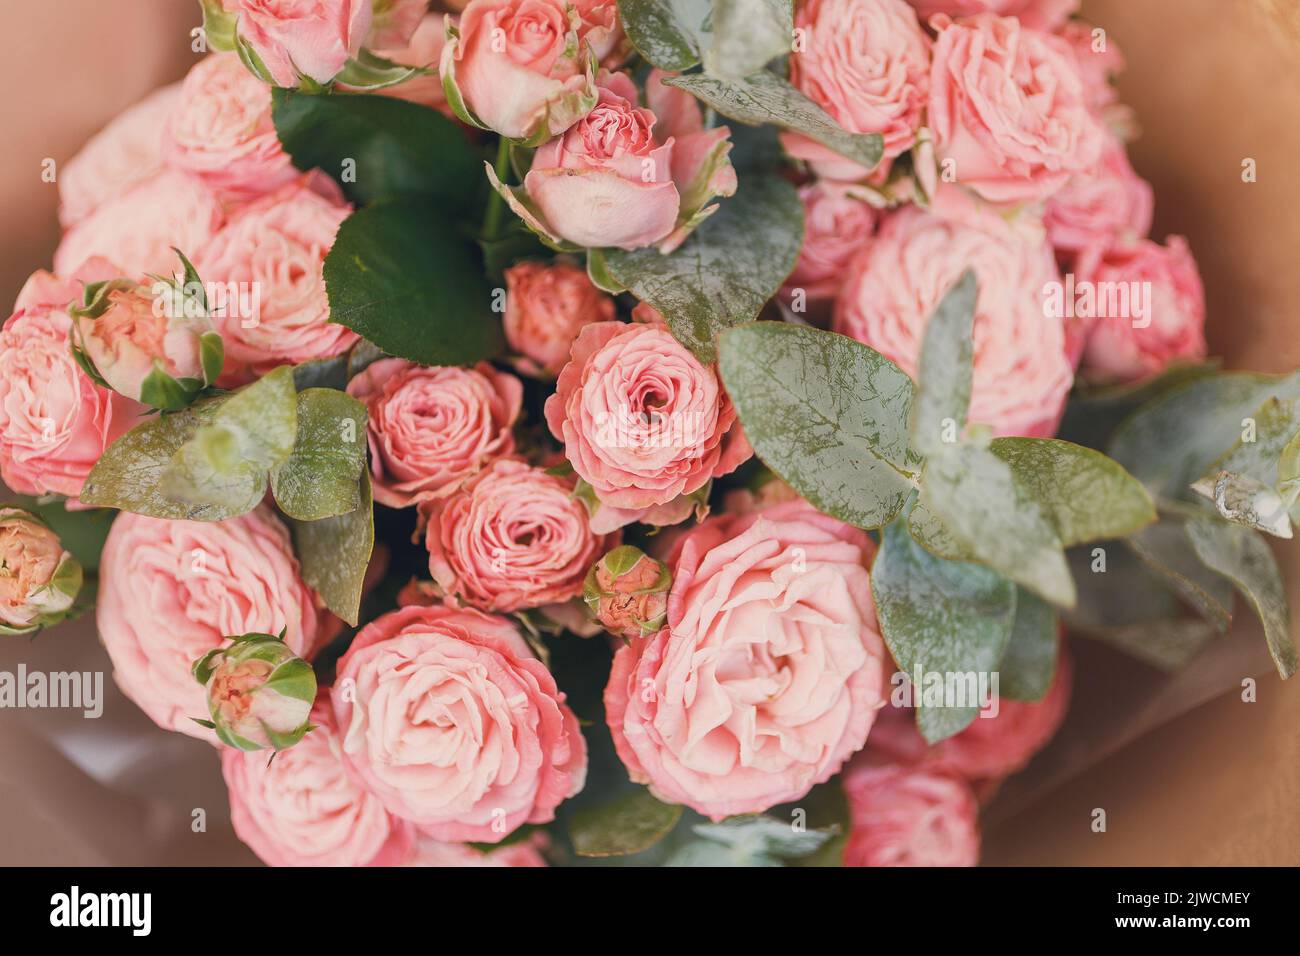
point(159, 390)
point(1163, 548)
point(322, 373)
point(944, 381)
point(747, 35)
point(402, 277)
point(940, 616)
point(1027, 667)
point(1247, 484)
point(726, 271)
point(764, 97)
point(370, 72)
point(669, 33)
point(633, 822)
point(827, 414)
point(335, 552)
point(1243, 557)
point(320, 478)
point(756, 840)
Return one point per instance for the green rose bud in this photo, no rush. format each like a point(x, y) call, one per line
point(260, 694)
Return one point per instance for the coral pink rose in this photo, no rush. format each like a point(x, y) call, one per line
point(221, 131)
point(511, 537)
point(431, 428)
point(270, 258)
point(304, 809)
point(1022, 369)
point(836, 224)
point(1009, 113)
point(525, 853)
point(769, 673)
point(295, 38)
point(642, 422)
point(170, 591)
point(138, 230)
point(546, 306)
point(867, 63)
point(39, 580)
point(125, 152)
point(909, 816)
point(448, 718)
point(1034, 14)
point(1127, 347)
point(1101, 206)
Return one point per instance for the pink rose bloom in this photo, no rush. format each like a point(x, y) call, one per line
point(626, 176)
point(1101, 206)
point(170, 591)
point(909, 816)
point(394, 21)
point(448, 718)
point(1125, 348)
point(546, 307)
point(769, 673)
point(125, 152)
point(836, 224)
point(867, 64)
point(1098, 59)
point(1033, 14)
point(642, 422)
point(424, 48)
point(138, 229)
point(512, 537)
point(273, 252)
point(525, 853)
point(1008, 110)
point(221, 131)
point(294, 38)
point(431, 428)
point(303, 809)
point(1022, 370)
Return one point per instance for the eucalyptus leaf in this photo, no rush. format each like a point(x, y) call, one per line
point(335, 552)
point(1244, 483)
point(632, 822)
point(1027, 667)
point(321, 478)
point(944, 387)
point(756, 840)
point(670, 34)
point(747, 35)
point(1163, 548)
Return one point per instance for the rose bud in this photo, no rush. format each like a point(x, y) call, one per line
point(38, 579)
point(547, 305)
point(260, 693)
point(289, 43)
point(627, 590)
point(154, 344)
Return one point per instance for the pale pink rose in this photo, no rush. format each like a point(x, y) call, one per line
point(304, 809)
point(769, 673)
point(271, 258)
point(642, 422)
point(1123, 346)
point(1022, 370)
point(138, 230)
point(39, 580)
point(125, 152)
point(836, 224)
point(867, 64)
point(909, 816)
point(431, 428)
point(525, 853)
point(448, 718)
point(547, 304)
point(628, 176)
point(1099, 61)
point(1010, 115)
point(170, 591)
point(394, 21)
point(1100, 207)
point(599, 26)
point(511, 537)
point(424, 49)
point(1034, 14)
point(221, 131)
point(293, 38)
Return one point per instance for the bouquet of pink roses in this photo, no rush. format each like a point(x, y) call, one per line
point(680, 431)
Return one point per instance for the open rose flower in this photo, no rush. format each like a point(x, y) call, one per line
point(1022, 370)
point(1009, 113)
point(431, 428)
point(304, 809)
point(292, 39)
point(170, 591)
point(837, 223)
point(867, 63)
point(39, 580)
point(547, 304)
point(643, 423)
point(624, 175)
point(1034, 14)
point(448, 718)
point(1100, 207)
point(260, 693)
point(769, 673)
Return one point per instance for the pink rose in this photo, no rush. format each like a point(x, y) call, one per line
point(125, 152)
point(170, 591)
point(1101, 206)
point(39, 580)
point(221, 131)
point(270, 258)
point(769, 673)
point(424, 49)
point(138, 229)
point(394, 21)
point(546, 306)
point(295, 38)
point(1124, 345)
point(525, 853)
point(431, 428)
point(1022, 370)
point(642, 422)
point(1033, 14)
point(867, 63)
point(1098, 59)
point(511, 537)
point(909, 816)
point(448, 718)
point(1010, 115)
point(627, 176)
point(836, 224)
point(304, 809)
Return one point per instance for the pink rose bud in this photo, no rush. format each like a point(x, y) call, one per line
point(260, 693)
point(288, 41)
point(546, 307)
point(627, 590)
point(38, 579)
